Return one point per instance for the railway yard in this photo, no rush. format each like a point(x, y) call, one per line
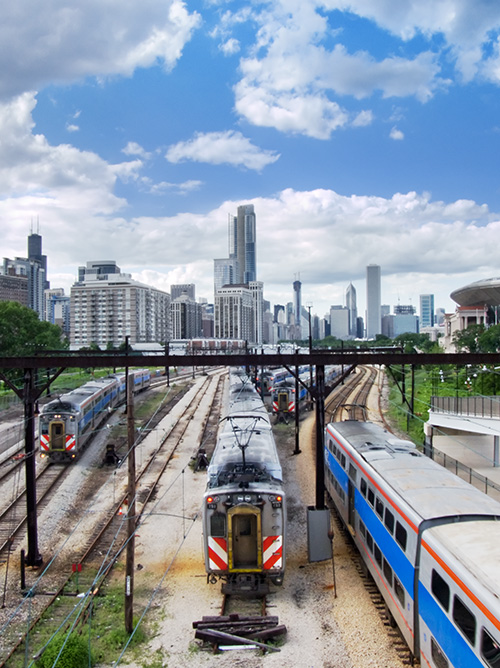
point(82, 521)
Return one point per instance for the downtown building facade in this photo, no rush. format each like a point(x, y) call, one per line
point(108, 306)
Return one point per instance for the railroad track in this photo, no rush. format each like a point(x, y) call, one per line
point(398, 642)
point(350, 399)
point(13, 517)
point(108, 535)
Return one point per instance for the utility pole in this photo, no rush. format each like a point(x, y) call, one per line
point(131, 519)
point(33, 557)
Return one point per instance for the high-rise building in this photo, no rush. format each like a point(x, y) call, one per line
point(180, 289)
point(350, 302)
point(373, 301)
point(35, 253)
point(98, 270)
point(58, 308)
point(427, 311)
point(186, 316)
point(257, 290)
point(35, 275)
point(242, 243)
point(107, 308)
point(234, 316)
point(14, 287)
point(339, 322)
point(225, 272)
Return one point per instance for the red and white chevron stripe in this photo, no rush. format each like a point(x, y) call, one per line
point(273, 552)
point(44, 442)
point(217, 553)
point(70, 442)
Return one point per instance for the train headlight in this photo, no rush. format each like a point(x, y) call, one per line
point(276, 501)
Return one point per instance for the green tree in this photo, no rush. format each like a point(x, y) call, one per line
point(22, 333)
point(468, 339)
point(489, 340)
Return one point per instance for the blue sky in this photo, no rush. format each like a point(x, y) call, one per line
point(363, 131)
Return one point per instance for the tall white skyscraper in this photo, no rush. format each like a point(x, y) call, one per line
point(350, 302)
point(373, 301)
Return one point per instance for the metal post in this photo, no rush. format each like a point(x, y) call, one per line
point(33, 558)
point(131, 520)
point(496, 457)
point(297, 446)
point(167, 368)
point(320, 435)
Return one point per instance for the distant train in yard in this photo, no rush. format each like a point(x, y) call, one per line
point(67, 423)
point(284, 399)
point(430, 541)
point(244, 513)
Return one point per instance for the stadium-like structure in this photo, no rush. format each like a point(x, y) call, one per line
point(486, 291)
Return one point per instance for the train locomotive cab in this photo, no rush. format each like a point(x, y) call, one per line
point(58, 431)
point(244, 512)
point(244, 535)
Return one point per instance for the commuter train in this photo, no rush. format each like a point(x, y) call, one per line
point(284, 400)
point(68, 422)
point(430, 541)
point(244, 512)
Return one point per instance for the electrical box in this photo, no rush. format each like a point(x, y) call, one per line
point(319, 538)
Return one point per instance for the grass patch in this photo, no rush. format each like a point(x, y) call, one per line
point(103, 631)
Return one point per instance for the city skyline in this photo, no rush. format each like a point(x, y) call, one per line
point(362, 133)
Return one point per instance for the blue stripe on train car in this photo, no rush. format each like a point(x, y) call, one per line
point(453, 644)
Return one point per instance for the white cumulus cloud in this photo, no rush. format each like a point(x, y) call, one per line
point(219, 148)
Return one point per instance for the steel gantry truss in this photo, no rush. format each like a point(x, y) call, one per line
point(53, 363)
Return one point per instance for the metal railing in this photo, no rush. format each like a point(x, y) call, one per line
point(486, 407)
point(480, 482)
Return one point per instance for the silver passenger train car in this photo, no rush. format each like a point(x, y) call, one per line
point(68, 422)
point(430, 540)
point(244, 513)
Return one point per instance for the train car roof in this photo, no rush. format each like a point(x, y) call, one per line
point(475, 545)
point(427, 487)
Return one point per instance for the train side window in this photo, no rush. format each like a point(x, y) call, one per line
point(389, 520)
point(400, 592)
point(363, 487)
point(440, 589)
point(440, 661)
point(401, 535)
point(377, 553)
point(379, 507)
point(362, 528)
point(464, 619)
point(342, 460)
point(352, 473)
point(490, 649)
point(371, 497)
point(218, 525)
point(369, 541)
point(387, 572)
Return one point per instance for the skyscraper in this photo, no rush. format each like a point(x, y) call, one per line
point(373, 301)
point(426, 311)
point(350, 302)
point(242, 238)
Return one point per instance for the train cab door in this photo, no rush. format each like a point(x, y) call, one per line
point(283, 401)
point(57, 435)
point(245, 538)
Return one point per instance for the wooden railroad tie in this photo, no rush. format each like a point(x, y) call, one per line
point(238, 629)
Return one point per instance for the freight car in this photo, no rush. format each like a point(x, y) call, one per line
point(244, 513)
point(67, 423)
point(430, 541)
